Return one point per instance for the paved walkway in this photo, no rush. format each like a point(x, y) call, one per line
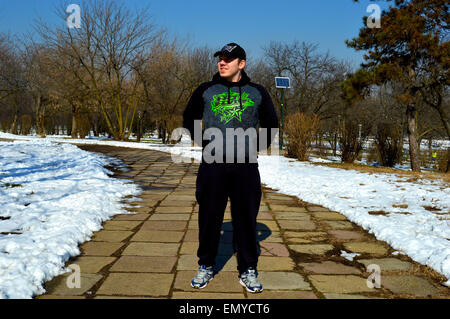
point(152, 254)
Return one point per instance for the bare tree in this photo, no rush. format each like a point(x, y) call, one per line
point(315, 76)
point(106, 47)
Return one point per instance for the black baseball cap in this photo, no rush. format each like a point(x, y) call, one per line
point(233, 51)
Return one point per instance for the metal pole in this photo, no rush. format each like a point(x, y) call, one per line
point(281, 121)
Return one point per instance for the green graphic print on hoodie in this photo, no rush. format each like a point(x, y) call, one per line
point(223, 104)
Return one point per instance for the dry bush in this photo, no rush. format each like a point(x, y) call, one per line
point(25, 124)
point(444, 161)
point(301, 130)
point(350, 143)
point(175, 122)
point(389, 144)
point(83, 124)
point(6, 125)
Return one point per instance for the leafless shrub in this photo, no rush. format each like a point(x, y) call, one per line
point(350, 142)
point(25, 124)
point(83, 124)
point(389, 142)
point(301, 130)
point(444, 162)
point(6, 125)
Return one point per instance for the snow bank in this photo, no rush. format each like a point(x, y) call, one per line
point(52, 198)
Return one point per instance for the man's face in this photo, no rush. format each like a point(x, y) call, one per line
point(229, 68)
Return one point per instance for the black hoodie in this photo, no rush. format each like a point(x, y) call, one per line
point(232, 105)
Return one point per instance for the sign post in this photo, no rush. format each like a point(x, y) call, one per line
point(282, 83)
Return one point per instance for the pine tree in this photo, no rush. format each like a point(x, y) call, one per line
point(410, 46)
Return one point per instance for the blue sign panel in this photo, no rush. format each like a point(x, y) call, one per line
point(281, 82)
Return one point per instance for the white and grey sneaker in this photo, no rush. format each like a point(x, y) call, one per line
point(250, 282)
point(203, 277)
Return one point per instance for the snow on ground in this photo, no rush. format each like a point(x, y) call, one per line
point(52, 198)
point(421, 234)
point(408, 227)
point(349, 256)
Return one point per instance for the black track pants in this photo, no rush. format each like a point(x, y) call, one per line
point(242, 184)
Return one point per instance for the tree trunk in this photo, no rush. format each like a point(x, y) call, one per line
point(412, 137)
point(138, 128)
point(74, 132)
point(39, 116)
point(14, 124)
point(334, 144)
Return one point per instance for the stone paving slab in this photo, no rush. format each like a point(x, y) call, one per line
point(173, 210)
point(408, 284)
point(329, 267)
point(313, 208)
point(387, 264)
point(339, 284)
point(157, 216)
point(367, 248)
point(316, 249)
point(283, 281)
point(95, 248)
point(275, 263)
point(168, 225)
point(176, 203)
point(92, 264)
point(144, 264)
point(329, 216)
point(112, 235)
point(151, 253)
point(151, 249)
point(59, 287)
point(121, 225)
point(345, 235)
point(158, 236)
point(134, 284)
point(297, 225)
point(283, 208)
point(273, 249)
point(189, 248)
point(192, 236)
point(337, 224)
point(139, 216)
point(269, 237)
point(292, 216)
point(187, 262)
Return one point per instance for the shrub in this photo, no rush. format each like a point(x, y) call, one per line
point(173, 123)
point(389, 143)
point(301, 130)
point(350, 143)
point(83, 124)
point(6, 125)
point(444, 162)
point(25, 124)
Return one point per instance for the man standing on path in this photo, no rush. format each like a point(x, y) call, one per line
point(231, 107)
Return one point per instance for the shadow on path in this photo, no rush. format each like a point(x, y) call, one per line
point(227, 247)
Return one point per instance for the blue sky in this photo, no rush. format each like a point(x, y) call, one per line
point(252, 23)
